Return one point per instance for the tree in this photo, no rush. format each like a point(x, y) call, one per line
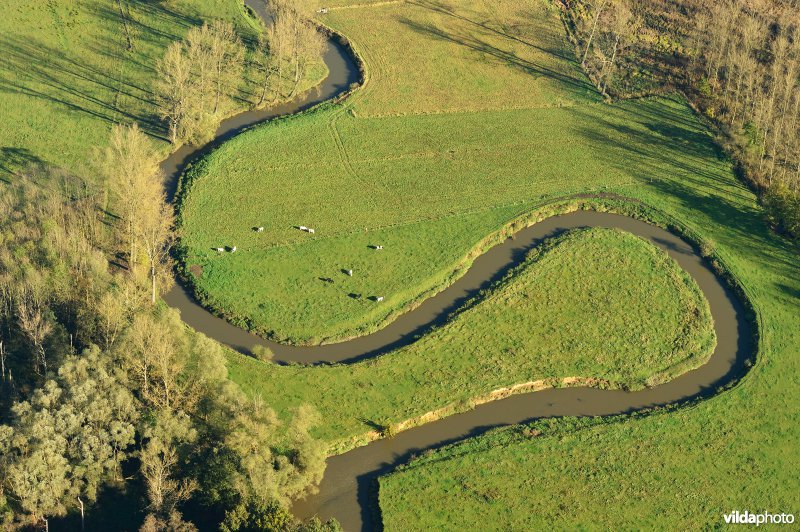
point(175, 93)
point(308, 47)
point(173, 523)
point(621, 27)
point(266, 63)
point(227, 57)
point(157, 235)
point(295, 42)
point(112, 315)
point(136, 180)
point(69, 438)
point(154, 354)
point(255, 515)
point(195, 77)
point(34, 322)
point(166, 440)
point(597, 14)
point(132, 170)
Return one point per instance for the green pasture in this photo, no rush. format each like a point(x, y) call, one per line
point(67, 74)
point(387, 160)
point(564, 312)
point(429, 188)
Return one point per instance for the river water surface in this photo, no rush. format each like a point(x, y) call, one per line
point(350, 478)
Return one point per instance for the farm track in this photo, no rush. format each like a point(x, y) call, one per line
point(347, 490)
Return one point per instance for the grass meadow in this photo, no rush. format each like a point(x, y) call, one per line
point(429, 188)
point(473, 114)
point(68, 76)
point(564, 312)
point(386, 160)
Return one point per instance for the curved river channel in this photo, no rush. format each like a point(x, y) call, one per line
point(347, 491)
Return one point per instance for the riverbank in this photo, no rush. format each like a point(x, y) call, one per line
point(654, 151)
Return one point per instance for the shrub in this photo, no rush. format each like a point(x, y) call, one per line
point(263, 353)
point(783, 208)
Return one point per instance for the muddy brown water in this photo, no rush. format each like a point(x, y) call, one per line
point(348, 488)
point(349, 481)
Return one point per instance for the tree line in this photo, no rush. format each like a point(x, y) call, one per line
point(747, 71)
point(199, 78)
point(737, 60)
point(101, 385)
point(96, 374)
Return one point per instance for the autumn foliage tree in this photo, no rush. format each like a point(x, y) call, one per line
point(197, 79)
point(286, 52)
point(738, 60)
point(146, 223)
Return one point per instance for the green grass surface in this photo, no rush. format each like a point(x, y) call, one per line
point(679, 469)
point(432, 166)
point(67, 74)
point(563, 313)
point(437, 184)
point(472, 55)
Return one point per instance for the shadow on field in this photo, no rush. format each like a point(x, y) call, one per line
point(668, 152)
point(147, 10)
point(36, 70)
point(444, 9)
point(474, 41)
point(105, 91)
point(14, 160)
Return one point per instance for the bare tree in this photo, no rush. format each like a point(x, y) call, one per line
point(156, 230)
point(34, 324)
point(227, 59)
point(132, 170)
point(621, 27)
point(597, 14)
point(176, 93)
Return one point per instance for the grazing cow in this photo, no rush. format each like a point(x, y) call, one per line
point(379, 299)
point(259, 229)
point(349, 272)
point(233, 249)
point(310, 230)
point(219, 250)
point(378, 247)
point(303, 228)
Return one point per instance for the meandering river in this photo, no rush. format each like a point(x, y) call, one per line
point(347, 490)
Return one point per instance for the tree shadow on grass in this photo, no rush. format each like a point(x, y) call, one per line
point(506, 57)
point(36, 70)
point(150, 20)
point(14, 160)
point(444, 9)
point(679, 160)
